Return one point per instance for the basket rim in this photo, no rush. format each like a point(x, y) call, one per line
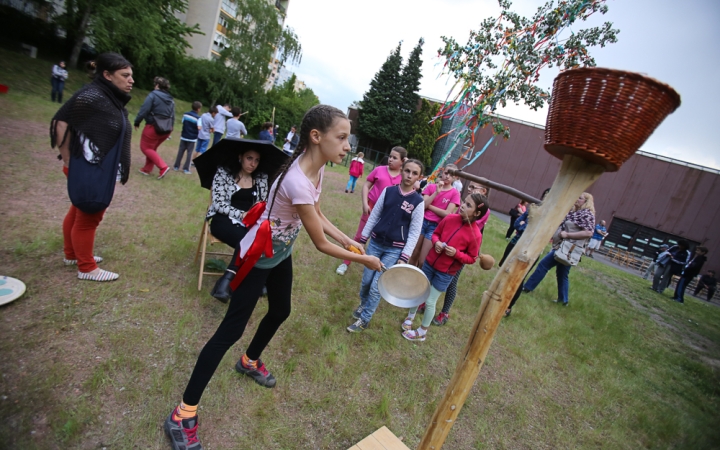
point(624, 73)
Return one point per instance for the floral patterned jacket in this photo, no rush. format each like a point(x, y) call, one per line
point(223, 188)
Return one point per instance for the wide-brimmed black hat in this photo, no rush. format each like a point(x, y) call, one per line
point(226, 153)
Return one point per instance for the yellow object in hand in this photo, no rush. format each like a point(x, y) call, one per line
point(354, 249)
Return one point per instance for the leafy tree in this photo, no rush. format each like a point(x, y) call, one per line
point(380, 113)
point(252, 41)
point(424, 132)
point(147, 32)
point(411, 76)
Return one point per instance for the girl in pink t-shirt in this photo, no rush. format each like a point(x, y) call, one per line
point(441, 199)
point(293, 203)
point(380, 178)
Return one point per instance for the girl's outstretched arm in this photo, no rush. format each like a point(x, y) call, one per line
point(332, 231)
point(313, 223)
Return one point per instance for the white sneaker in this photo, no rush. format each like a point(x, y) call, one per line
point(342, 268)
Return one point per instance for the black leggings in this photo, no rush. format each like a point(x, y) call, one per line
point(222, 228)
point(522, 285)
point(279, 287)
point(451, 292)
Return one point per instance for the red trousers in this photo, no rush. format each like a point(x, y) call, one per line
point(79, 236)
point(149, 143)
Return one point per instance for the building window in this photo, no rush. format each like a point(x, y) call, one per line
point(230, 7)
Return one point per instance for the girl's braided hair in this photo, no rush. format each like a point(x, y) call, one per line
point(319, 117)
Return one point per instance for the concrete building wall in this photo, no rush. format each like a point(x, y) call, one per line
point(667, 195)
point(205, 13)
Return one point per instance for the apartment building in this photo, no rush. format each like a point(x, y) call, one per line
point(212, 17)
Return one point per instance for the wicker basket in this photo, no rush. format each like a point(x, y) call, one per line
point(605, 115)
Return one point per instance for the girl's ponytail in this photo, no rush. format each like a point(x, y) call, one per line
point(319, 117)
point(481, 206)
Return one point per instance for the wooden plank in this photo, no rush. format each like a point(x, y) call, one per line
point(389, 440)
point(370, 443)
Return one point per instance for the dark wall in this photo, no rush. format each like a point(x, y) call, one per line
point(671, 197)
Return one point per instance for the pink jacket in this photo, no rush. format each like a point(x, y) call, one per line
point(466, 239)
point(356, 167)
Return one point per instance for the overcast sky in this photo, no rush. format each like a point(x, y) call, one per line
point(345, 43)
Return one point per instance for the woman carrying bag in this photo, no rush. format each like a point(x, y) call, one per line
point(93, 134)
point(158, 111)
point(578, 226)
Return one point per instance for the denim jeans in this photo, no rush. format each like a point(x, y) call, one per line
point(682, 284)
point(561, 272)
point(369, 294)
point(351, 183)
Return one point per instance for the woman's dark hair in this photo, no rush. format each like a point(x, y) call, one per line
point(319, 117)
point(414, 161)
point(162, 83)
point(683, 244)
point(400, 151)
point(481, 205)
point(110, 62)
point(235, 111)
point(267, 125)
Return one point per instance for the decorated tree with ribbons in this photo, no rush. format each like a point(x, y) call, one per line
point(501, 62)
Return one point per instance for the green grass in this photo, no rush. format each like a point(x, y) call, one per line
point(100, 365)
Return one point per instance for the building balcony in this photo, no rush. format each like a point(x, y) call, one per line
point(221, 29)
point(280, 7)
point(229, 7)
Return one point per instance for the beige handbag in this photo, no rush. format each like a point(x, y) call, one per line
point(568, 252)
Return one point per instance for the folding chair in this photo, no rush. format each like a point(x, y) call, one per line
point(206, 238)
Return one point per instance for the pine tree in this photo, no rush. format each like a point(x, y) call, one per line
point(379, 120)
point(411, 75)
point(423, 133)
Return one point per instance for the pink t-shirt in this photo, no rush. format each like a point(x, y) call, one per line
point(380, 177)
point(285, 224)
point(440, 201)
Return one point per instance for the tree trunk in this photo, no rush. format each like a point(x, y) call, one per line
point(574, 177)
point(80, 37)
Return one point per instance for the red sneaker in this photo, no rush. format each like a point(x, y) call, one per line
point(421, 308)
point(441, 319)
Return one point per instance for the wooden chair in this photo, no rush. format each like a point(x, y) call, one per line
point(206, 238)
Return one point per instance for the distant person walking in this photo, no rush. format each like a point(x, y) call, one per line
point(223, 113)
point(653, 264)
point(709, 282)
point(691, 270)
point(188, 137)
point(670, 263)
point(515, 212)
point(288, 146)
point(205, 130)
point(597, 238)
point(266, 134)
point(93, 134)
point(356, 171)
point(57, 80)
point(235, 128)
point(158, 111)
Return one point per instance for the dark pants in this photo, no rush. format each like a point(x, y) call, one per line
point(710, 290)
point(216, 137)
point(185, 147)
point(521, 287)
point(508, 249)
point(279, 287)
point(511, 228)
point(682, 284)
point(451, 292)
point(57, 89)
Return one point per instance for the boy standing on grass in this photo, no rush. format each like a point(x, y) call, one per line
point(394, 226)
point(205, 130)
point(235, 128)
point(188, 137)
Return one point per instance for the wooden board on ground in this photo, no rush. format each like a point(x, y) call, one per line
point(382, 439)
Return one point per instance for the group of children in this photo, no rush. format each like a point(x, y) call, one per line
point(426, 230)
point(393, 216)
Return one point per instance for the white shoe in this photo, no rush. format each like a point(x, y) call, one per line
point(342, 268)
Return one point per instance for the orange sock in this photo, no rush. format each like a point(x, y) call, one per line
point(184, 411)
point(249, 362)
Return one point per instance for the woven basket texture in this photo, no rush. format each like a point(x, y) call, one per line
point(605, 115)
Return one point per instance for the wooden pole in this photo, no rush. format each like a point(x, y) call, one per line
point(574, 177)
point(491, 184)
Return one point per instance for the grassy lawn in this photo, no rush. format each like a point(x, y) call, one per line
point(100, 365)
